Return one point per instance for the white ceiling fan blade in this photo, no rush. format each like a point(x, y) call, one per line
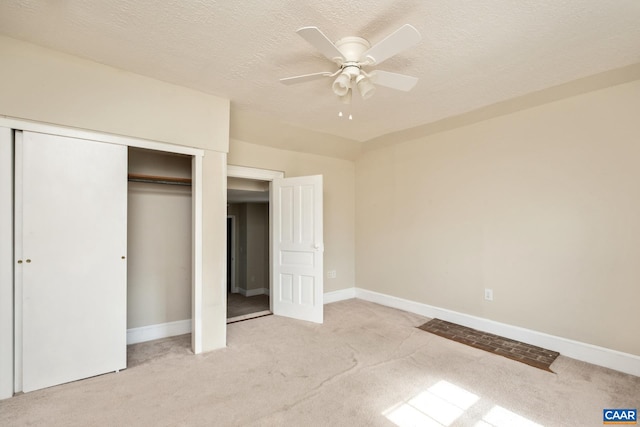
point(318, 40)
point(304, 78)
point(403, 38)
point(393, 80)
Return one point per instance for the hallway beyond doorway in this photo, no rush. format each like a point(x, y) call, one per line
point(239, 305)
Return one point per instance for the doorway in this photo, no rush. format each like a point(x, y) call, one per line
point(295, 239)
point(248, 268)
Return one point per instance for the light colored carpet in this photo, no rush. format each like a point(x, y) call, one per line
point(367, 365)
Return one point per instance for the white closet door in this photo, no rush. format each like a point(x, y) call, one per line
point(297, 242)
point(71, 213)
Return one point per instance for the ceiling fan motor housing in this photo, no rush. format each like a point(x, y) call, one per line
point(352, 49)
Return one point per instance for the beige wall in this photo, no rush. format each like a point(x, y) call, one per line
point(233, 209)
point(339, 204)
point(44, 85)
point(257, 246)
point(542, 206)
point(263, 130)
point(48, 86)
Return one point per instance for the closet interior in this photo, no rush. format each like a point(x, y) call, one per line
point(159, 244)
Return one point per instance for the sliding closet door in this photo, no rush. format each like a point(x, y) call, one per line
point(71, 215)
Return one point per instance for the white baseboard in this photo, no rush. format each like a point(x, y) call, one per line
point(341, 295)
point(623, 362)
point(253, 292)
point(155, 332)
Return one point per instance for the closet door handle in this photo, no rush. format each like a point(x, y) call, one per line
point(19, 261)
point(28, 261)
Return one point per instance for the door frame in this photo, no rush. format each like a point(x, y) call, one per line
point(234, 171)
point(6, 220)
point(232, 249)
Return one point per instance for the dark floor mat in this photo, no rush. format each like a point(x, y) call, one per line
point(531, 355)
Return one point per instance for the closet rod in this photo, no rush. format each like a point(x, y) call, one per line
point(135, 177)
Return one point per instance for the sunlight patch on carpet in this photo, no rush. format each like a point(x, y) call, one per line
point(499, 416)
point(442, 405)
point(439, 405)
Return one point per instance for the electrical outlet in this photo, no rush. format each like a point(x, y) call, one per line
point(488, 294)
point(331, 274)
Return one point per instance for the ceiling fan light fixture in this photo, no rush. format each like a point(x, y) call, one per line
point(365, 87)
point(342, 84)
point(352, 54)
point(346, 98)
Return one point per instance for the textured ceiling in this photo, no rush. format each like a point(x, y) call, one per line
point(472, 54)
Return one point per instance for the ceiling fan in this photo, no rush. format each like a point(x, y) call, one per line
point(352, 55)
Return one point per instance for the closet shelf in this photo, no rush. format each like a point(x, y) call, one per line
point(153, 179)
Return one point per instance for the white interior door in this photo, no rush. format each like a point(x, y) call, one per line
point(297, 248)
point(71, 213)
